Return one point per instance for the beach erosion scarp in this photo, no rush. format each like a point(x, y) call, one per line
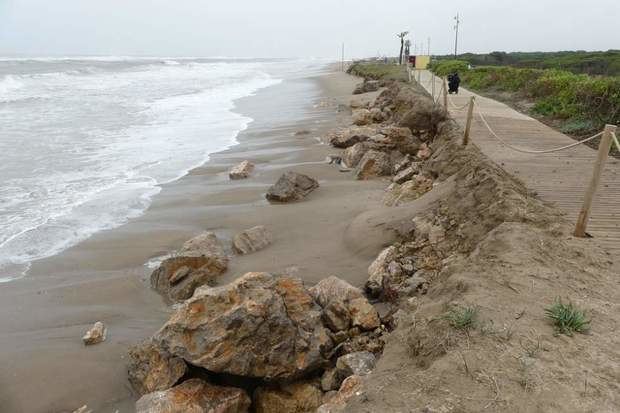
point(451, 315)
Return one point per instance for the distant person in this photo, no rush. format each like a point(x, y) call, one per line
point(453, 83)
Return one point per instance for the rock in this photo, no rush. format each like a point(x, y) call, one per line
point(424, 115)
point(95, 335)
point(402, 139)
point(334, 289)
point(424, 152)
point(414, 285)
point(405, 175)
point(372, 164)
point(259, 326)
point(353, 154)
point(196, 396)
point(408, 191)
point(153, 369)
point(199, 262)
point(377, 115)
point(378, 271)
point(291, 187)
point(358, 364)
point(345, 138)
point(401, 164)
point(330, 380)
point(361, 117)
point(350, 387)
point(358, 104)
point(367, 86)
point(241, 171)
point(337, 316)
point(363, 314)
point(252, 240)
point(291, 398)
point(205, 244)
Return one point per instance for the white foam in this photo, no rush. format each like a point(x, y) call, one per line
point(95, 147)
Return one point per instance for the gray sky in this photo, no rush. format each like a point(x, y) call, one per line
point(287, 28)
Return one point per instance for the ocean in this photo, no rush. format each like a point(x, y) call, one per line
point(85, 143)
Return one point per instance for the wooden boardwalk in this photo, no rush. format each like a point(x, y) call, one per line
point(560, 177)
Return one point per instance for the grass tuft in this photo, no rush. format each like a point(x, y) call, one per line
point(567, 318)
point(462, 318)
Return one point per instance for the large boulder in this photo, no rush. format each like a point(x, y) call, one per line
point(260, 326)
point(344, 138)
point(361, 117)
point(402, 139)
point(398, 194)
point(344, 305)
point(379, 271)
point(291, 187)
point(377, 115)
point(195, 396)
point(252, 240)
point(351, 386)
point(367, 86)
point(334, 289)
point(291, 398)
point(199, 262)
point(353, 154)
point(153, 369)
point(360, 363)
point(241, 171)
point(374, 163)
point(423, 115)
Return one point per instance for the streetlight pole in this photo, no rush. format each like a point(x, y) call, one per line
point(456, 39)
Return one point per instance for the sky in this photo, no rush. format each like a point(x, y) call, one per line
point(296, 28)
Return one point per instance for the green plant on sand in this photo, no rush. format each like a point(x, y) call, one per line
point(462, 318)
point(567, 318)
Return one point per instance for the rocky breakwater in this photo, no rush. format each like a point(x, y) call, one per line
point(265, 329)
point(266, 342)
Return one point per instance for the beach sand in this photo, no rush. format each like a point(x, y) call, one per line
point(45, 366)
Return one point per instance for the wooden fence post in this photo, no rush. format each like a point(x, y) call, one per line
point(433, 84)
point(603, 151)
point(419, 76)
point(445, 94)
point(470, 116)
point(409, 72)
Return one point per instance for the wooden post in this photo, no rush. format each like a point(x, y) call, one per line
point(470, 116)
point(419, 76)
point(445, 94)
point(433, 84)
point(599, 165)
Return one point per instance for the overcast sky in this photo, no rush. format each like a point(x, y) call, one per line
point(300, 28)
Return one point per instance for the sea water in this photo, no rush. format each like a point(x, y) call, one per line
point(85, 143)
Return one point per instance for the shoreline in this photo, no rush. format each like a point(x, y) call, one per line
point(104, 277)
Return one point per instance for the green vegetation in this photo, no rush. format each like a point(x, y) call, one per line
point(378, 71)
point(567, 319)
point(583, 103)
point(462, 318)
point(446, 67)
point(591, 63)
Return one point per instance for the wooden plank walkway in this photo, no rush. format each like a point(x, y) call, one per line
point(560, 177)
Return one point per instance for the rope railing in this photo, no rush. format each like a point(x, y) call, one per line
point(523, 150)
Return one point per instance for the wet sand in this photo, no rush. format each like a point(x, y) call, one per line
point(45, 367)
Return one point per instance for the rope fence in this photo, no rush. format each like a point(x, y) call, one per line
point(608, 138)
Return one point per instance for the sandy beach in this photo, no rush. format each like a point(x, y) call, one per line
point(45, 366)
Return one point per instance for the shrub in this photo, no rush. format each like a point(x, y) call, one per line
point(462, 318)
point(378, 70)
point(445, 67)
point(567, 318)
